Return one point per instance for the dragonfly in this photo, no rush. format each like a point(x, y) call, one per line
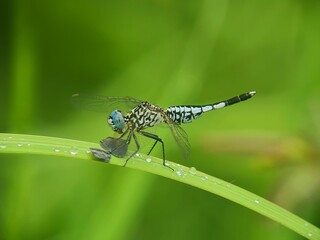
point(138, 116)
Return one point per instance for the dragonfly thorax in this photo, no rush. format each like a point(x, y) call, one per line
point(117, 122)
point(143, 116)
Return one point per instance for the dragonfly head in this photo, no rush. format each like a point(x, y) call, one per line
point(116, 122)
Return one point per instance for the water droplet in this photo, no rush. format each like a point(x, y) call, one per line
point(309, 234)
point(28, 144)
point(56, 150)
point(19, 144)
point(205, 177)
point(179, 172)
point(257, 201)
point(138, 155)
point(2, 146)
point(193, 170)
point(148, 160)
point(73, 151)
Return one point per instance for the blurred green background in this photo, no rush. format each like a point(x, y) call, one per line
point(168, 53)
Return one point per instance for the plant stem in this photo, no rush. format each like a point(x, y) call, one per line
point(30, 144)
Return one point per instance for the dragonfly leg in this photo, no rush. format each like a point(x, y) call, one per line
point(157, 139)
point(155, 143)
point(137, 144)
point(121, 136)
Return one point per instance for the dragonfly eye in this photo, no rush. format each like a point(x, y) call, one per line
point(116, 121)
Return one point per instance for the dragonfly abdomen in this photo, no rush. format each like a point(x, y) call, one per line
point(236, 99)
point(186, 114)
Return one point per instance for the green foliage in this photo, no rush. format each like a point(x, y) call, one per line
point(165, 52)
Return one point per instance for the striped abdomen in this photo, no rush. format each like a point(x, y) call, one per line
point(186, 114)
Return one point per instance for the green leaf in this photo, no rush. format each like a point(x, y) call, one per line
point(30, 144)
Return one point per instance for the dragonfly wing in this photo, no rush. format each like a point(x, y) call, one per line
point(181, 137)
point(116, 146)
point(103, 103)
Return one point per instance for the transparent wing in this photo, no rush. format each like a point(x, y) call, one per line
point(102, 103)
point(181, 138)
point(116, 146)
